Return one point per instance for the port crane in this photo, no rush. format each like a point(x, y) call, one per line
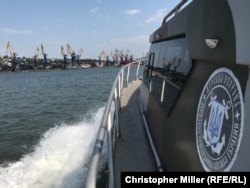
point(15, 64)
point(116, 56)
point(128, 57)
point(36, 56)
point(102, 54)
point(64, 56)
point(45, 60)
point(105, 56)
point(81, 51)
point(121, 55)
point(74, 57)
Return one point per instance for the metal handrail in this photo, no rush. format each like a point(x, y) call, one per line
point(175, 10)
point(107, 126)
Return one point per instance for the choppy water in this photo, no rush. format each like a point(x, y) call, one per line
point(48, 124)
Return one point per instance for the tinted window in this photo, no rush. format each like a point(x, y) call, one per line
point(166, 71)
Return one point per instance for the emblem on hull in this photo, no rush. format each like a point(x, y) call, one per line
point(220, 121)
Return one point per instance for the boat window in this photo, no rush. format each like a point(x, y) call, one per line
point(170, 69)
point(150, 65)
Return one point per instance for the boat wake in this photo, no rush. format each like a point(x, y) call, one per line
point(60, 159)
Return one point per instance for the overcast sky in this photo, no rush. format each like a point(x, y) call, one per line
point(94, 25)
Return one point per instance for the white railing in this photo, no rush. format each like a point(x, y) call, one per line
point(110, 126)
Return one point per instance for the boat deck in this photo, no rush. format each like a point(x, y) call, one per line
point(133, 152)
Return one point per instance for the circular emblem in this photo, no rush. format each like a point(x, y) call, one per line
point(220, 121)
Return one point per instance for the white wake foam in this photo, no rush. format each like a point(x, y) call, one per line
point(59, 160)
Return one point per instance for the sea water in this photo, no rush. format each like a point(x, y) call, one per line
point(48, 125)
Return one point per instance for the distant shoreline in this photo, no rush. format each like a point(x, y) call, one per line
point(52, 69)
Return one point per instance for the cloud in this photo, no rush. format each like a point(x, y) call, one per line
point(93, 10)
point(15, 31)
point(133, 11)
point(157, 17)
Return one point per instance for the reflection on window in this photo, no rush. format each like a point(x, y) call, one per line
point(150, 66)
point(170, 68)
